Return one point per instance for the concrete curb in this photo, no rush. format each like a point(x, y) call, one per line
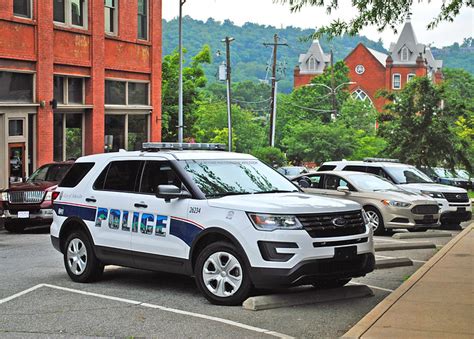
point(373, 316)
point(404, 246)
point(421, 235)
point(314, 296)
point(392, 262)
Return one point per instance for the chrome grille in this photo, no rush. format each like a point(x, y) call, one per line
point(425, 209)
point(25, 197)
point(322, 226)
point(456, 197)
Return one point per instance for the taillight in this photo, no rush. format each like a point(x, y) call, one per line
point(55, 195)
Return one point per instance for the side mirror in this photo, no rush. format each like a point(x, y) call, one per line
point(344, 189)
point(169, 192)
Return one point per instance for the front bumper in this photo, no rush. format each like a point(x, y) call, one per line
point(311, 271)
point(459, 211)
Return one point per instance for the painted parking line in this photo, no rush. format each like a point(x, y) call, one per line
point(372, 286)
point(142, 304)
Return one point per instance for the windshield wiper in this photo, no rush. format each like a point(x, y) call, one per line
point(276, 191)
point(218, 195)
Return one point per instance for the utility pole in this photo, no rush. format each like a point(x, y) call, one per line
point(333, 90)
point(227, 42)
point(180, 90)
point(275, 45)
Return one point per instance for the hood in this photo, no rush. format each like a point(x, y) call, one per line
point(284, 203)
point(432, 188)
point(405, 196)
point(33, 186)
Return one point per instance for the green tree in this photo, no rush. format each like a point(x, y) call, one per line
point(418, 130)
point(378, 13)
point(194, 79)
point(271, 155)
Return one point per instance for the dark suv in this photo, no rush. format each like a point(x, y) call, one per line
point(29, 203)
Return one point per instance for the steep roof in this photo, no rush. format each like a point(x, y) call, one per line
point(381, 57)
point(315, 60)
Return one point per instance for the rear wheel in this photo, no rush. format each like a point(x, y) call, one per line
point(375, 220)
point(221, 274)
point(332, 283)
point(79, 259)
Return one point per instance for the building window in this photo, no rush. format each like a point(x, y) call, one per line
point(70, 12)
point(397, 81)
point(142, 20)
point(405, 54)
point(410, 76)
point(110, 19)
point(312, 64)
point(69, 90)
point(125, 131)
point(67, 136)
point(359, 94)
point(16, 87)
point(126, 93)
point(22, 8)
point(15, 128)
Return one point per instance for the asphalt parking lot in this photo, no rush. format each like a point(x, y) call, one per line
point(37, 298)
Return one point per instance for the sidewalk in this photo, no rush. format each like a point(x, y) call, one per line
point(437, 301)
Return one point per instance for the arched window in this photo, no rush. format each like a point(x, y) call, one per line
point(359, 94)
point(312, 63)
point(405, 53)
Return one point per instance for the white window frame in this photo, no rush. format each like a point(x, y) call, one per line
point(399, 81)
point(67, 15)
point(115, 18)
point(405, 52)
point(66, 90)
point(312, 63)
point(147, 22)
point(24, 16)
point(126, 92)
point(410, 76)
point(33, 103)
point(357, 95)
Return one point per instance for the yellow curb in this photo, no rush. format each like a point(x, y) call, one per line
point(373, 316)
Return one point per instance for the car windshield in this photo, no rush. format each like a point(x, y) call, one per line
point(368, 182)
point(53, 173)
point(218, 178)
point(407, 175)
point(462, 174)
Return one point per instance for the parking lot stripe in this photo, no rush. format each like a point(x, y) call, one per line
point(173, 310)
point(374, 287)
point(19, 294)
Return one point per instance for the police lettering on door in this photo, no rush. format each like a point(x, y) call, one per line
point(131, 221)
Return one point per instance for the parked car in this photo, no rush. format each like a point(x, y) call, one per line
point(386, 205)
point(445, 177)
point(462, 173)
point(292, 171)
point(225, 218)
point(29, 204)
point(453, 201)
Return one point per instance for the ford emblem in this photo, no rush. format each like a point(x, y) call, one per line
point(339, 222)
point(458, 196)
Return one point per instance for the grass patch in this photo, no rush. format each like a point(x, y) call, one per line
point(471, 194)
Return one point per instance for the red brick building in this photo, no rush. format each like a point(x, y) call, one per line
point(311, 64)
point(77, 77)
point(372, 70)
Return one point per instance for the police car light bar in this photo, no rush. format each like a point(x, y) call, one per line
point(150, 146)
point(380, 160)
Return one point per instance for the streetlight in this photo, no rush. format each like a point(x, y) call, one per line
point(180, 90)
point(332, 91)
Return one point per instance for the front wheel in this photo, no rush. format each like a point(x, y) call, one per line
point(221, 274)
point(333, 283)
point(375, 220)
point(79, 259)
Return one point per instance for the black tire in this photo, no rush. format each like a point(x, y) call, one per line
point(226, 250)
point(332, 283)
point(420, 229)
point(13, 228)
point(380, 230)
point(92, 270)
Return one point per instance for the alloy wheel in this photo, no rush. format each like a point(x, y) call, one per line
point(76, 256)
point(222, 274)
point(374, 220)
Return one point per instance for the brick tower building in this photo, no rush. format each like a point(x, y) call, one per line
point(77, 77)
point(311, 64)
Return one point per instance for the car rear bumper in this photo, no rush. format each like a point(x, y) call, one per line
point(311, 271)
point(41, 216)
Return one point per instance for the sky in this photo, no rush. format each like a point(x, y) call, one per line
point(266, 12)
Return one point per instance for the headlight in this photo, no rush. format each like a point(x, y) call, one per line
point(4, 196)
point(395, 203)
point(435, 195)
point(271, 222)
point(48, 196)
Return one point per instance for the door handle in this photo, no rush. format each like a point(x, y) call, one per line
point(91, 200)
point(141, 205)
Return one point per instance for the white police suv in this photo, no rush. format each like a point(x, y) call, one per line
point(225, 218)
